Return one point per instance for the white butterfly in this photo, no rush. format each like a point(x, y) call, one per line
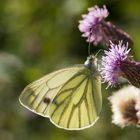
point(70, 97)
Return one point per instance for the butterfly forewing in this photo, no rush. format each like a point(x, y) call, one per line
point(38, 95)
point(78, 102)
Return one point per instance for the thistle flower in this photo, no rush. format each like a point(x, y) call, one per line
point(110, 70)
point(90, 25)
point(97, 30)
point(126, 106)
point(116, 63)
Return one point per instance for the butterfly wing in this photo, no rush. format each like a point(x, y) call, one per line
point(38, 95)
point(78, 103)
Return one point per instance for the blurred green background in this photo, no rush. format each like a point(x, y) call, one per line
point(40, 36)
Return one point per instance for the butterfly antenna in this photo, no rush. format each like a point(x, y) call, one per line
point(89, 46)
point(98, 52)
point(89, 53)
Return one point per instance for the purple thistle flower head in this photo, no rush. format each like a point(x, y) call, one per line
point(97, 30)
point(90, 25)
point(112, 62)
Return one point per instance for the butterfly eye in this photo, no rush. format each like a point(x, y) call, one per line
point(47, 100)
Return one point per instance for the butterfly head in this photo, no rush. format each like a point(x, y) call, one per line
point(91, 62)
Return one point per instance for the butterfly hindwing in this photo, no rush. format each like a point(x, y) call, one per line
point(78, 102)
point(38, 95)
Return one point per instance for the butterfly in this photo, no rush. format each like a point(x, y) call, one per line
point(71, 97)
